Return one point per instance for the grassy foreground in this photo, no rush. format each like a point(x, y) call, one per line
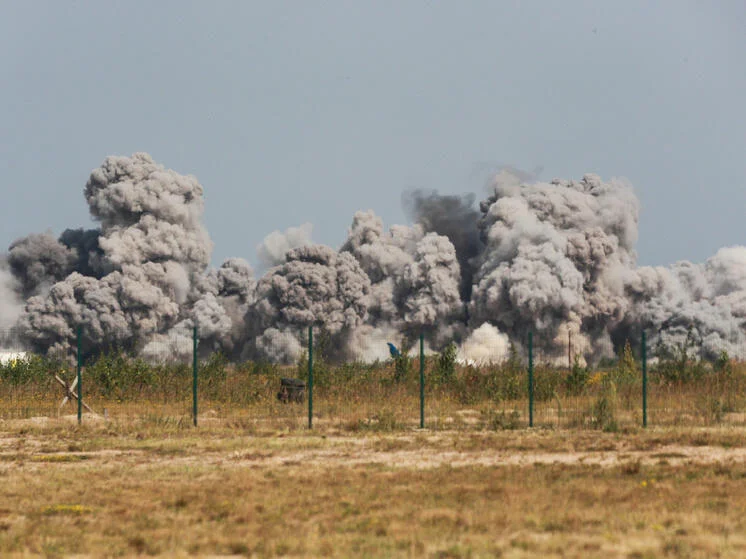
point(148, 488)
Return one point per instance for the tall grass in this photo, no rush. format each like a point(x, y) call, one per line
point(385, 394)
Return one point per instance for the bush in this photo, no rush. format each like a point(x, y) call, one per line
point(547, 382)
point(446, 366)
point(722, 364)
point(402, 367)
point(676, 364)
point(603, 414)
point(29, 369)
point(115, 375)
point(578, 378)
point(625, 372)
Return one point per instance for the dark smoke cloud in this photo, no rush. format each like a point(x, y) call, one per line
point(38, 261)
point(454, 217)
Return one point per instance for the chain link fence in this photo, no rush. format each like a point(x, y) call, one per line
point(182, 381)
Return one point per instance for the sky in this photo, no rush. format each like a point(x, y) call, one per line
point(293, 112)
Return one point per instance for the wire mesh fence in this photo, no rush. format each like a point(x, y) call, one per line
point(540, 383)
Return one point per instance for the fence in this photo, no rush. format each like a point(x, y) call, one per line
point(180, 381)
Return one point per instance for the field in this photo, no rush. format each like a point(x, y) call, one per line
point(148, 487)
point(136, 478)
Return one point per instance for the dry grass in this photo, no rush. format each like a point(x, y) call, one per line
point(251, 480)
point(365, 398)
point(139, 487)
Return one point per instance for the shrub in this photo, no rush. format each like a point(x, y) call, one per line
point(402, 367)
point(625, 372)
point(676, 364)
point(547, 381)
point(445, 369)
point(115, 375)
point(578, 378)
point(722, 364)
point(603, 415)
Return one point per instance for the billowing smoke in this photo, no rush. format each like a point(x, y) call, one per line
point(316, 286)
point(454, 217)
point(555, 258)
point(272, 250)
point(38, 261)
point(414, 279)
point(126, 281)
point(702, 304)
point(11, 305)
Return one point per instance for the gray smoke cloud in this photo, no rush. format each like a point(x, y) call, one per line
point(414, 279)
point(219, 302)
point(704, 302)
point(454, 217)
point(38, 261)
point(553, 257)
point(142, 262)
point(272, 250)
point(315, 286)
point(11, 305)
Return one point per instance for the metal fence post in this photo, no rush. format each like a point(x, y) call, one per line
point(80, 380)
point(194, 376)
point(530, 379)
point(644, 380)
point(310, 377)
point(422, 380)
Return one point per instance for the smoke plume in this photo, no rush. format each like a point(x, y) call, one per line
point(272, 250)
point(11, 305)
point(455, 218)
point(554, 258)
point(126, 281)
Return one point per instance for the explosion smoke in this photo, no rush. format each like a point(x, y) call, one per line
point(549, 257)
point(316, 286)
point(11, 305)
point(272, 250)
point(556, 258)
point(149, 249)
point(454, 217)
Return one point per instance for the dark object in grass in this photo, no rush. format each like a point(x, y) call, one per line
point(291, 390)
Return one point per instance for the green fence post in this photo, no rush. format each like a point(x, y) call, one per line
point(194, 376)
point(422, 380)
point(644, 380)
point(530, 379)
point(310, 377)
point(80, 381)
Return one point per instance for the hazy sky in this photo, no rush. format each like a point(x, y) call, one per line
point(290, 112)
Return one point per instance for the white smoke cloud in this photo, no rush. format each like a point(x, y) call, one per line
point(485, 345)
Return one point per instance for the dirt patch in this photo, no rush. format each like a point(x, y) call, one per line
point(413, 451)
point(408, 459)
